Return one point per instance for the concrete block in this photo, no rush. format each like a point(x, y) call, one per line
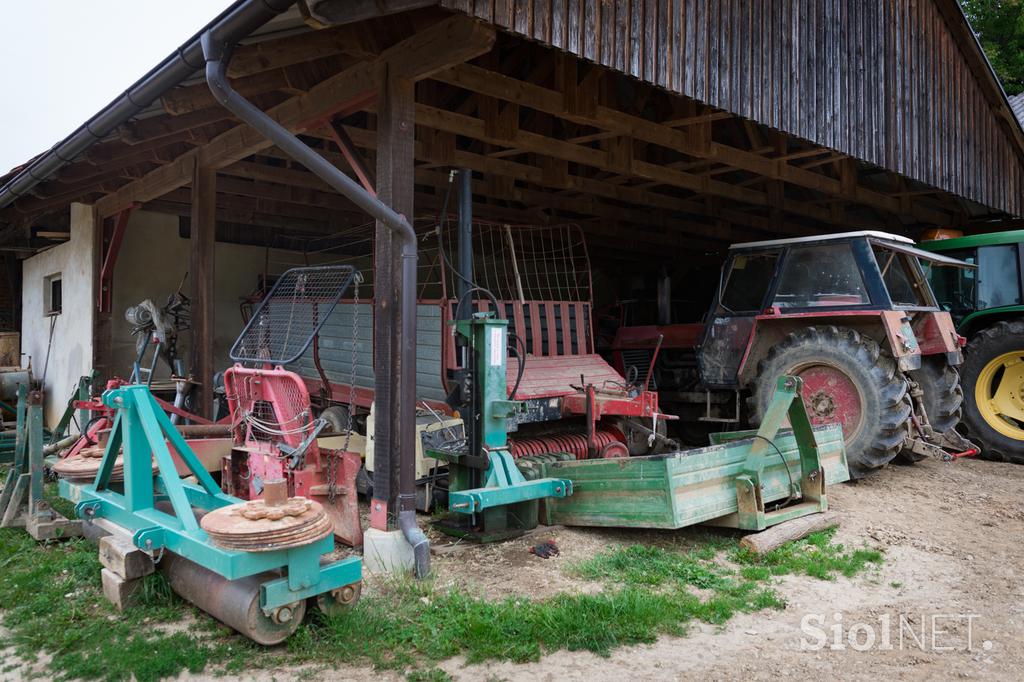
point(55, 528)
point(387, 552)
point(121, 556)
point(121, 593)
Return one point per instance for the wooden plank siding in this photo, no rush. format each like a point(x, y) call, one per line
point(886, 82)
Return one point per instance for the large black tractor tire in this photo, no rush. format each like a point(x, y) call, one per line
point(1000, 434)
point(847, 378)
point(942, 396)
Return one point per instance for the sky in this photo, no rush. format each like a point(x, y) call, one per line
point(64, 60)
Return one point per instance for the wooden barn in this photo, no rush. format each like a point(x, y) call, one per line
point(664, 129)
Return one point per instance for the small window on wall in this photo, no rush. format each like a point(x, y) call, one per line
point(52, 295)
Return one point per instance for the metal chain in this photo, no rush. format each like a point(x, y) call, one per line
point(332, 460)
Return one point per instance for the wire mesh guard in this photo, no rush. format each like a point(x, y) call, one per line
point(298, 305)
point(525, 262)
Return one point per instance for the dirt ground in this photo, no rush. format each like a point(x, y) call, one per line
point(950, 584)
point(949, 590)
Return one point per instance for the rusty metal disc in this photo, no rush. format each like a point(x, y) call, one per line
point(83, 465)
point(256, 526)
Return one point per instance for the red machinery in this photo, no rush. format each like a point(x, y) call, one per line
point(275, 437)
point(103, 419)
point(540, 278)
point(851, 314)
point(273, 428)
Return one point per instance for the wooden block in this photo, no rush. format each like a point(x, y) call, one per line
point(55, 528)
point(119, 555)
point(121, 593)
point(776, 536)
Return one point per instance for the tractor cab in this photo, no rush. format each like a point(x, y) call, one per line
point(847, 275)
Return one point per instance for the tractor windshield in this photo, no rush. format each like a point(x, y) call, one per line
point(901, 277)
point(819, 276)
point(995, 283)
point(998, 279)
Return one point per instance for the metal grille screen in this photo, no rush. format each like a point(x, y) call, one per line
point(285, 323)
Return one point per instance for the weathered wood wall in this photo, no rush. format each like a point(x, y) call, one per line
point(885, 81)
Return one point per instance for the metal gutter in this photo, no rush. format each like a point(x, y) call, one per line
point(242, 18)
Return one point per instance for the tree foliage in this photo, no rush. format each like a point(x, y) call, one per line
point(999, 25)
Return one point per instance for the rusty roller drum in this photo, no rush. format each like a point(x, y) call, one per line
point(236, 603)
point(271, 523)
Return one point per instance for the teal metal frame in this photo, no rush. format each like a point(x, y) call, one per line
point(21, 501)
point(503, 484)
point(145, 431)
point(785, 403)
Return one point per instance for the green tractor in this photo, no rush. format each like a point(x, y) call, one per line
point(988, 308)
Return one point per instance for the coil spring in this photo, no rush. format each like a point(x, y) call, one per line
point(574, 444)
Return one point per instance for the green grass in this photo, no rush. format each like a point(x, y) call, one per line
point(50, 600)
point(645, 565)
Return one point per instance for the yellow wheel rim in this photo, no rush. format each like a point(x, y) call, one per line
point(999, 394)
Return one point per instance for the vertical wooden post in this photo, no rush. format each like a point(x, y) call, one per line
point(201, 273)
point(103, 325)
point(395, 141)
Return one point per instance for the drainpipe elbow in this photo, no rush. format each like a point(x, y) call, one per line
point(415, 536)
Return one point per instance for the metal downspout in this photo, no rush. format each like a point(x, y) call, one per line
point(217, 53)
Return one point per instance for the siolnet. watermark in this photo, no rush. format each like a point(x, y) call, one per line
point(935, 632)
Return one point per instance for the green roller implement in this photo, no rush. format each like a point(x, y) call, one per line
point(252, 565)
point(749, 479)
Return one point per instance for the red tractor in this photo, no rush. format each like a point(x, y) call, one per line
point(851, 314)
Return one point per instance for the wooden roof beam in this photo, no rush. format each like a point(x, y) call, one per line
point(193, 99)
point(547, 146)
point(450, 41)
point(490, 83)
point(146, 130)
point(302, 47)
point(532, 174)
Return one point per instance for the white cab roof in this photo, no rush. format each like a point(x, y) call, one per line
point(825, 237)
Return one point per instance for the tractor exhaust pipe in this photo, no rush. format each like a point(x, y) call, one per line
point(217, 54)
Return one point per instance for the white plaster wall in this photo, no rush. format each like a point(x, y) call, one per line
point(151, 264)
point(71, 352)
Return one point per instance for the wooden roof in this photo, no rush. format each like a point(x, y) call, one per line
point(551, 136)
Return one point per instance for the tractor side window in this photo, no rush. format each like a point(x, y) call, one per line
point(750, 276)
point(898, 276)
point(953, 287)
point(997, 276)
point(823, 275)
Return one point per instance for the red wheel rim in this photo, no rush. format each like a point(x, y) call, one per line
point(831, 397)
